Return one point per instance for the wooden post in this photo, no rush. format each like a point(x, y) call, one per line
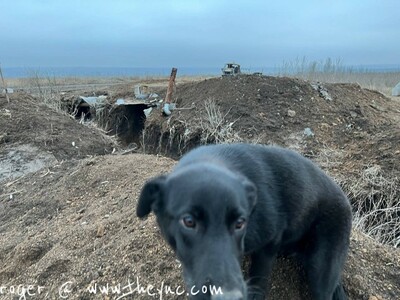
point(171, 84)
point(168, 97)
point(4, 85)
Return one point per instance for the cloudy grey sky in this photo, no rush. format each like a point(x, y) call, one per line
point(151, 33)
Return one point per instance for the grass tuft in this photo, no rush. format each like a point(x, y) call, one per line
point(215, 127)
point(376, 205)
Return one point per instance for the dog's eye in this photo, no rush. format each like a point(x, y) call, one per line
point(240, 223)
point(188, 221)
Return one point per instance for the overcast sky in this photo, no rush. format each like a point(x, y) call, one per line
point(152, 33)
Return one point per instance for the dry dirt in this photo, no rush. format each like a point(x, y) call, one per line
point(72, 224)
point(258, 107)
point(33, 136)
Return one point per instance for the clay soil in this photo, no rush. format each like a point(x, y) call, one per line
point(70, 226)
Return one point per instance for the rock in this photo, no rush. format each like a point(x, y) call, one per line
point(308, 132)
point(100, 231)
point(291, 113)
point(353, 114)
point(315, 86)
point(323, 92)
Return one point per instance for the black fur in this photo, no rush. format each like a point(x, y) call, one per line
point(288, 204)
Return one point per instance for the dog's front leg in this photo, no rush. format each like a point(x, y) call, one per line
point(259, 273)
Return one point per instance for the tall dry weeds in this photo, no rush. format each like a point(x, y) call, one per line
point(46, 89)
point(375, 198)
point(215, 126)
point(334, 71)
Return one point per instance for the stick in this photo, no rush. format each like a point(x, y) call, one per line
point(4, 84)
point(8, 184)
point(13, 193)
point(129, 151)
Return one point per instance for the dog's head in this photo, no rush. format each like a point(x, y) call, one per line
point(203, 211)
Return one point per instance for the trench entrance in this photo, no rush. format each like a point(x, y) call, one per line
point(83, 112)
point(127, 122)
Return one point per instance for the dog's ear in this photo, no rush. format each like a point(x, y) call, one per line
point(151, 195)
point(251, 192)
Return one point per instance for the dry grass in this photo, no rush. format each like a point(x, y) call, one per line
point(215, 127)
point(374, 195)
point(333, 71)
point(46, 90)
point(375, 199)
point(179, 135)
point(65, 82)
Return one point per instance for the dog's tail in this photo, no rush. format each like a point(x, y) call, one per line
point(339, 293)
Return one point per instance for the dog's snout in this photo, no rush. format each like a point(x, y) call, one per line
point(229, 295)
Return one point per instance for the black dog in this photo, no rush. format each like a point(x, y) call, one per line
point(224, 201)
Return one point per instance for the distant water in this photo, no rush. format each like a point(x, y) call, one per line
point(20, 72)
point(23, 72)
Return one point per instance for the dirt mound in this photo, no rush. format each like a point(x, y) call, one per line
point(273, 110)
point(33, 135)
point(75, 227)
point(25, 121)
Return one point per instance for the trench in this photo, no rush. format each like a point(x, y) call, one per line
point(153, 135)
point(124, 121)
point(127, 122)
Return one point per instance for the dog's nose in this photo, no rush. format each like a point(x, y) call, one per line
point(229, 295)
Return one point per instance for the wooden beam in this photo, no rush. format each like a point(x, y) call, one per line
point(171, 84)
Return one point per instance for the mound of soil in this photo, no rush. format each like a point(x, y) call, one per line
point(32, 136)
point(75, 228)
point(284, 111)
point(26, 121)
